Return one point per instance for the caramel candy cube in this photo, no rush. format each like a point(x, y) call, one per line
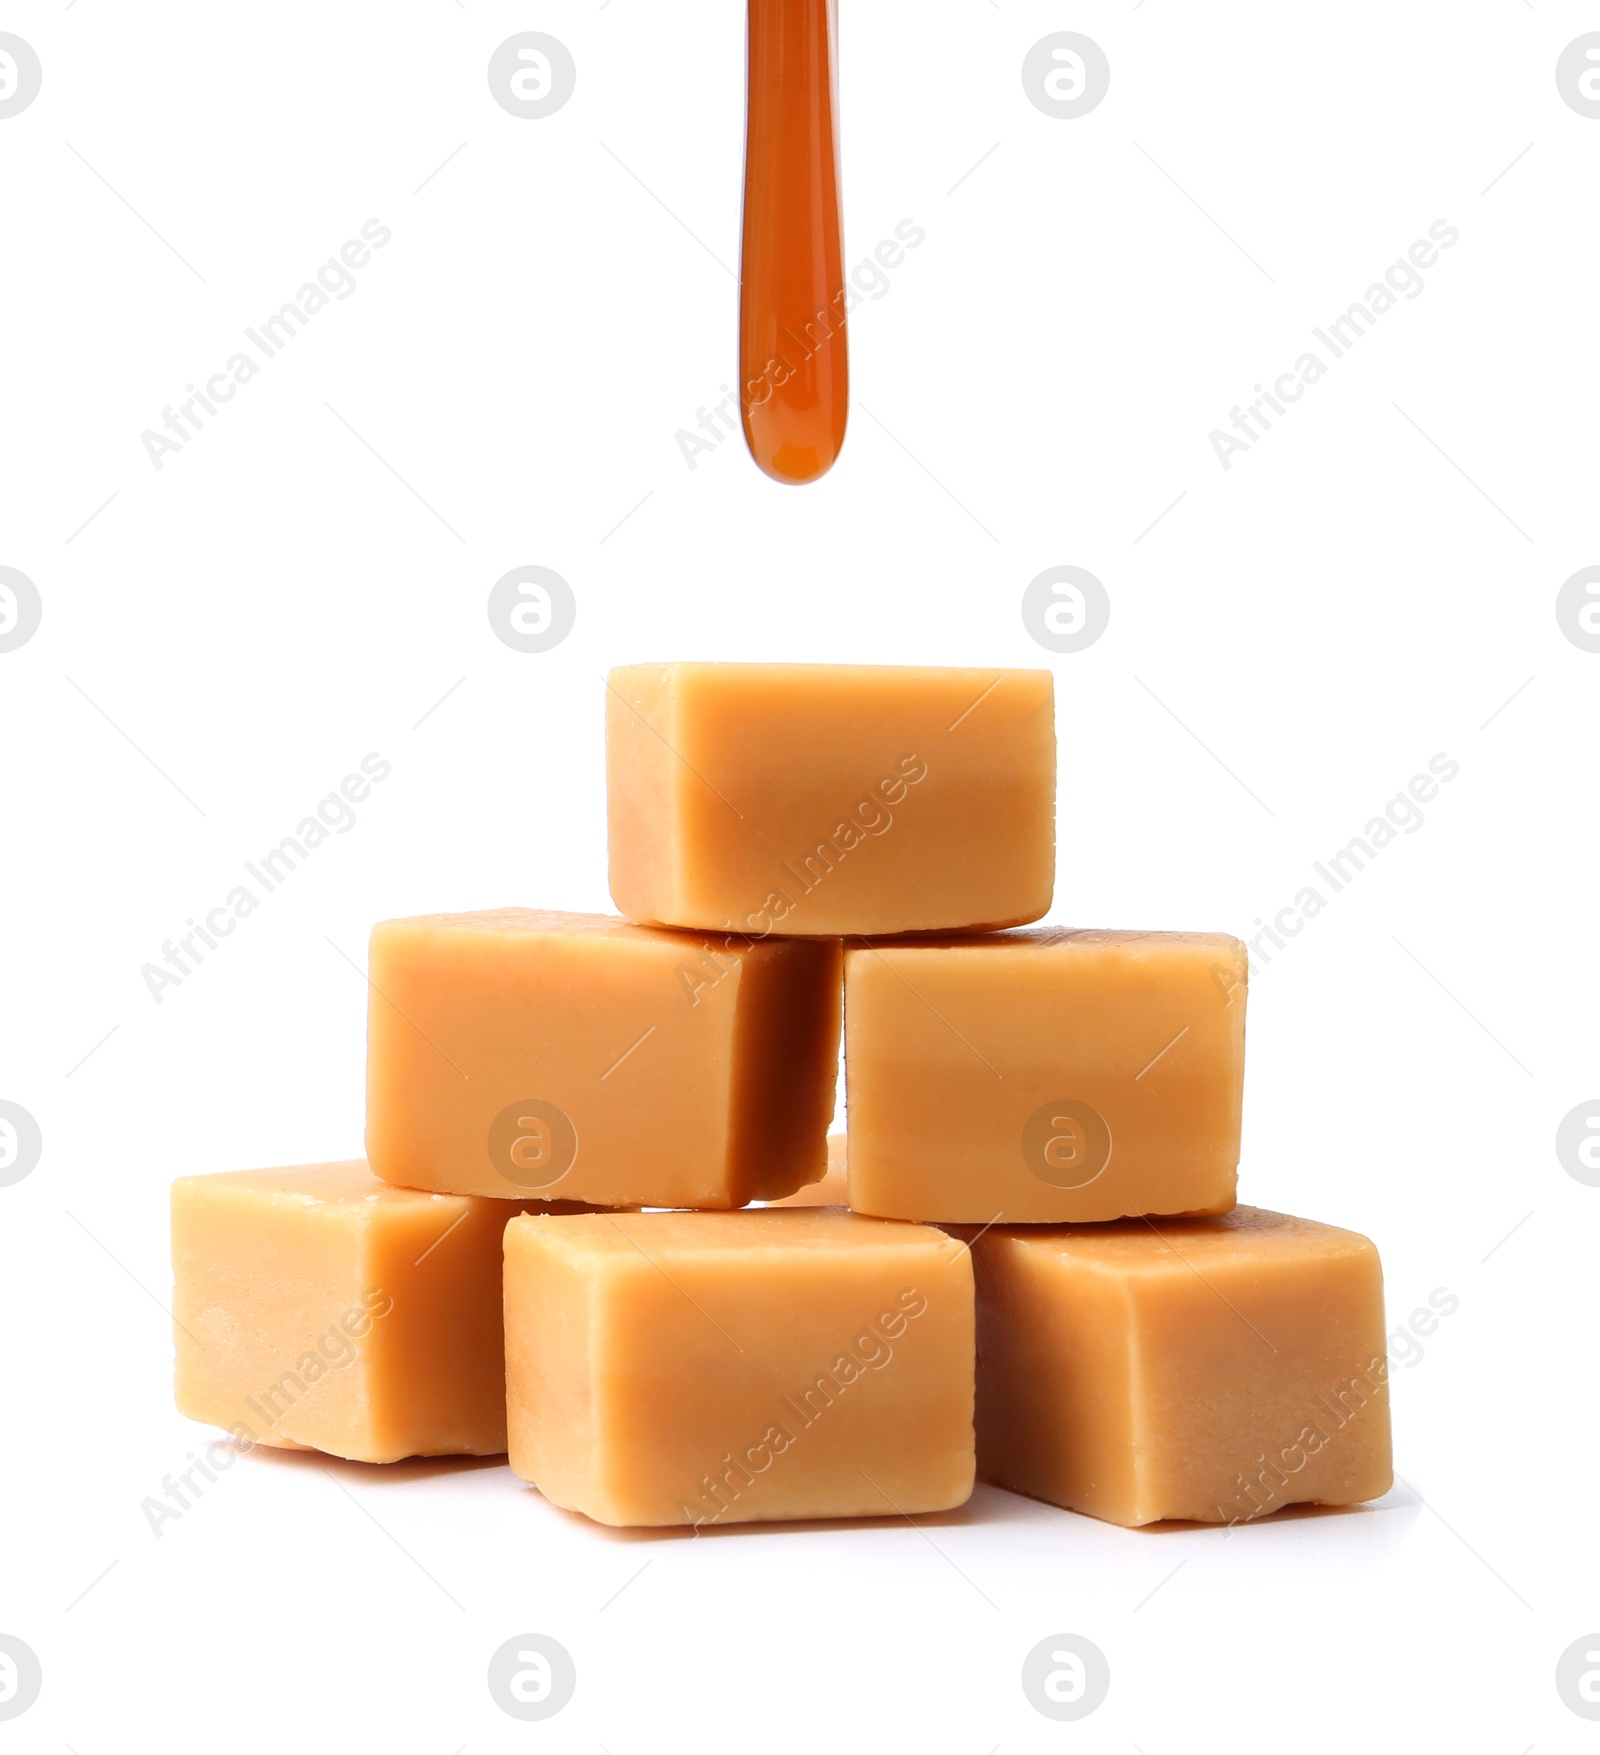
point(319, 1308)
point(709, 1368)
point(576, 1056)
point(1044, 1076)
point(1213, 1369)
point(830, 798)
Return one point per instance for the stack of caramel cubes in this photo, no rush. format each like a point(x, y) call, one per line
point(601, 1223)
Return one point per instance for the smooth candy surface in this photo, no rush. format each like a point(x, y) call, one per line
point(1044, 1076)
point(1215, 1369)
point(318, 1308)
point(830, 798)
point(705, 1368)
point(519, 1052)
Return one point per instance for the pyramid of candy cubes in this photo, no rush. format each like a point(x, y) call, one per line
point(602, 1226)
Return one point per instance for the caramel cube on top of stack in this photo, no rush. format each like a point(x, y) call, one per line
point(830, 799)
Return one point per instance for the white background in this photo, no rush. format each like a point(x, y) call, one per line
point(1296, 636)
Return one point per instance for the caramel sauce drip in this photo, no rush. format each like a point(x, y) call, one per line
point(794, 379)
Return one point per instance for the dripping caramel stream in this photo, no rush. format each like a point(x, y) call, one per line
point(794, 375)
